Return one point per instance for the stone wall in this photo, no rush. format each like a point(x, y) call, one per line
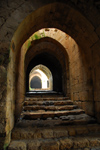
point(43, 45)
point(3, 91)
point(83, 27)
point(4, 60)
point(96, 78)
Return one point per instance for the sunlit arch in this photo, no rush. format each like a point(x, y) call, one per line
point(44, 74)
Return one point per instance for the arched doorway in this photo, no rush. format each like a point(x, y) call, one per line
point(52, 64)
point(35, 83)
point(45, 76)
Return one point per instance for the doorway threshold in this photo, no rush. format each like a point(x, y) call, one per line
point(43, 93)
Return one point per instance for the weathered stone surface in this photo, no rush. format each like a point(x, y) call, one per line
point(50, 102)
point(65, 107)
point(94, 128)
point(26, 134)
point(50, 145)
point(37, 134)
point(86, 148)
point(80, 143)
point(2, 142)
point(2, 128)
point(3, 75)
point(81, 131)
point(42, 114)
point(59, 132)
point(94, 142)
point(3, 83)
point(66, 144)
point(88, 110)
point(71, 132)
point(50, 98)
point(79, 27)
point(55, 138)
point(33, 145)
point(2, 20)
point(47, 133)
point(17, 145)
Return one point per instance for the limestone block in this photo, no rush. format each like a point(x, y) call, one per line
point(37, 134)
point(86, 148)
point(66, 144)
point(17, 145)
point(88, 107)
point(71, 132)
point(78, 103)
point(94, 142)
point(25, 134)
point(50, 145)
point(33, 145)
point(76, 96)
point(94, 128)
point(80, 143)
point(47, 133)
point(81, 131)
point(84, 95)
point(60, 133)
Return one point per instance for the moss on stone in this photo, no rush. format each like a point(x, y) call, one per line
point(5, 146)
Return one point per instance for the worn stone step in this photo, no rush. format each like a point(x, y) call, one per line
point(46, 108)
point(22, 132)
point(56, 121)
point(46, 114)
point(68, 143)
point(46, 99)
point(47, 103)
point(36, 129)
point(43, 95)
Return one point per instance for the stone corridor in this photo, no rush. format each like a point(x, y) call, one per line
point(61, 39)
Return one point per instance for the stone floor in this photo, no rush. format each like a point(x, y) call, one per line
point(26, 136)
point(54, 123)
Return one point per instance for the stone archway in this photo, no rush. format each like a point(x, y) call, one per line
point(44, 74)
point(48, 60)
point(76, 33)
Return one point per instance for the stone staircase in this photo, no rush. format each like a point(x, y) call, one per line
point(59, 110)
point(54, 123)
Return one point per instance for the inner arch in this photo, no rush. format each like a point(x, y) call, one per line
point(44, 74)
point(35, 83)
point(49, 61)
